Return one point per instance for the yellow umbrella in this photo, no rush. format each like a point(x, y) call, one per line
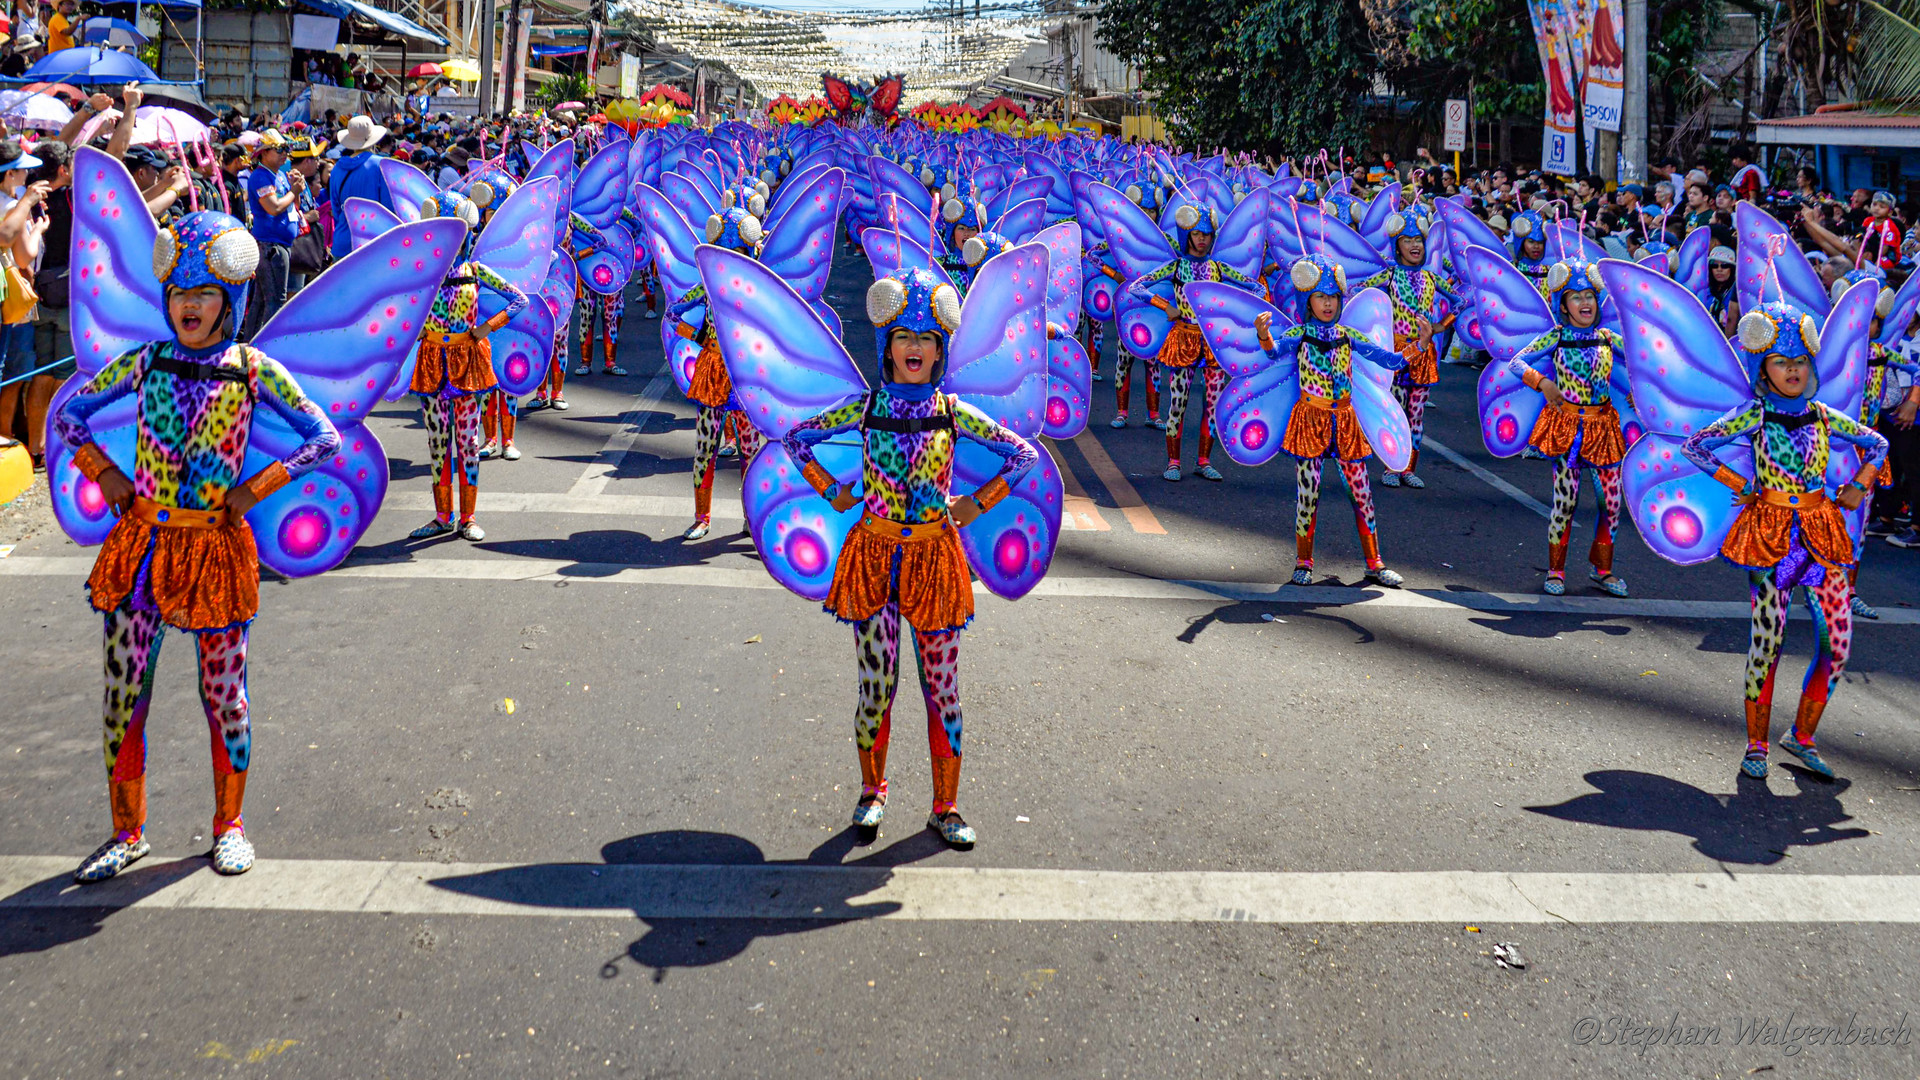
point(460, 70)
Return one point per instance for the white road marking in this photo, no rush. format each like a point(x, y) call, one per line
point(1428, 442)
point(1055, 585)
point(580, 890)
point(594, 479)
point(679, 507)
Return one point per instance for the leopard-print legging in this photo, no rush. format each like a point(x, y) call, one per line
point(877, 647)
point(1832, 635)
point(1306, 508)
point(1413, 401)
point(602, 313)
point(708, 431)
point(453, 431)
point(1123, 382)
point(1566, 502)
point(1178, 384)
point(131, 641)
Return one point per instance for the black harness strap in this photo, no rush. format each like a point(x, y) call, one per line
point(188, 369)
point(905, 425)
point(1793, 421)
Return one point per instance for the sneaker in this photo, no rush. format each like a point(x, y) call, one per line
point(537, 401)
point(431, 529)
point(697, 531)
point(1881, 527)
point(1172, 475)
point(1809, 757)
point(1529, 454)
point(1755, 763)
point(489, 451)
point(1863, 610)
point(952, 828)
point(511, 453)
point(472, 531)
point(582, 369)
point(1611, 584)
point(1119, 420)
point(1385, 577)
point(1413, 482)
point(1555, 586)
point(1303, 575)
point(1908, 537)
point(651, 314)
point(1156, 423)
point(870, 809)
point(728, 450)
point(232, 853)
point(1097, 377)
point(1391, 479)
point(560, 403)
point(110, 858)
point(617, 371)
point(1208, 472)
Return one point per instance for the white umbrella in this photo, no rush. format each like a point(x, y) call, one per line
point(34, 110)
point(152, 124)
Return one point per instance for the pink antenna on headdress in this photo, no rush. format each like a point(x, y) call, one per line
point(213, 162)
point(1776, 244)
point(193, 194)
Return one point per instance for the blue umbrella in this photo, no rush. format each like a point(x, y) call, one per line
point(103, 30)
point(89, 66)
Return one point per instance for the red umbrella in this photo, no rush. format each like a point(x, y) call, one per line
point(421, 71)
point(58, 89)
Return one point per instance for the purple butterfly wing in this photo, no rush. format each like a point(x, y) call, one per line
point(1069, 387)
point(311, 524)
point(1011, 545)
point(687, 198)
point(785, 362)
point(1512, 314)
point(670, 238)
point(367, 219)
point(1759, 276)
point(1841, 364)
point(891, 179)
point(1083, 208)
point(1020, 191)
point(800, 249)
point(600, 190)
point(1380, 416)
point(1565, 241)
point(77, 503)
point(799, 534)
point(1059, 188)
point(998, 357)
point(558, 162)
point(1690, 260)
point(1063, 273)
point(606, 270)
point(407, 185)
point(1100, 295)
point(1682, 513)
point(1135, 243)
point(790, 189)
point(1260, 393)
point(1373, 223)
point(1242, 241)
point(517, 242)
point(898, 215)
point(888, 251)
point(345, 334)
point(1683, 373)
point(1022, 220)
point(117, 304)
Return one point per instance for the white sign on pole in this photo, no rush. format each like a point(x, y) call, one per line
point(1456, 138)
point(315, 32)
point(629, 75)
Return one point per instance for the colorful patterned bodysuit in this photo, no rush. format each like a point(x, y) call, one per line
point(1324, 367)
point(191, 445)
point(907, 478)
point(712, 395)
point(1416, 294)
point(578, 240)
point(1791, 443)
point(449, 405)
point(1186, 348)
point(1582, 366)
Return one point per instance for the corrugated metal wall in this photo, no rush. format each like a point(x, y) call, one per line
point(248, 58)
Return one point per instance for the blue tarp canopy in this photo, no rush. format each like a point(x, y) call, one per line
point(89, 66)
point(387, 20)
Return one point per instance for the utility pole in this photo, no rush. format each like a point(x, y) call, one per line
point(1633, 120)
point(510, 62)
point(486, 58)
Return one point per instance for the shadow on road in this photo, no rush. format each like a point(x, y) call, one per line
point(55, 911)
point(684, 942)
point(1753, 825)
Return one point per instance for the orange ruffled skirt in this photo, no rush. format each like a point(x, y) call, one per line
point(935, 588)
point(1318, 423)
point(711, 386)
point(1184, 347)
point(1602, 445)
point(465, 366)
point(1423, 365)
point(1761, 534)
point(201, 579)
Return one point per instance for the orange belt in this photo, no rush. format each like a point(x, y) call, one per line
point(1581, 412)
point(432, 338)
point(1794, 500)
point(173, 517)
point(906, 534)
point(1324, 404)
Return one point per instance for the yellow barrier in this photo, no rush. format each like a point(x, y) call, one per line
point(16, 472)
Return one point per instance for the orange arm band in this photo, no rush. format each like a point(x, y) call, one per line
point(493, 324)
point(1733, 480)
point(267, 481)
point(686, 331)
point(1532, 378)
point(991, 493)
point(92, 461)
point(820, 478)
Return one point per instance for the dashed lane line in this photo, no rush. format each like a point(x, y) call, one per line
point(1131, 506)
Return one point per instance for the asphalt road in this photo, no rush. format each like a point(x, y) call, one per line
point(573, 801)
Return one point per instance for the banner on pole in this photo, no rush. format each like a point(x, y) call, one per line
point(1606, 67)
point(1560, 29)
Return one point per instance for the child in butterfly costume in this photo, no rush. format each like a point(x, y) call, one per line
point(194, 459)
point(1776, 425)
point(1185, 346)
point(962, 392)
point(1580, 427)
point(1422, 307)
point(736, 229)
point(1323, 423)
point(454, 369)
